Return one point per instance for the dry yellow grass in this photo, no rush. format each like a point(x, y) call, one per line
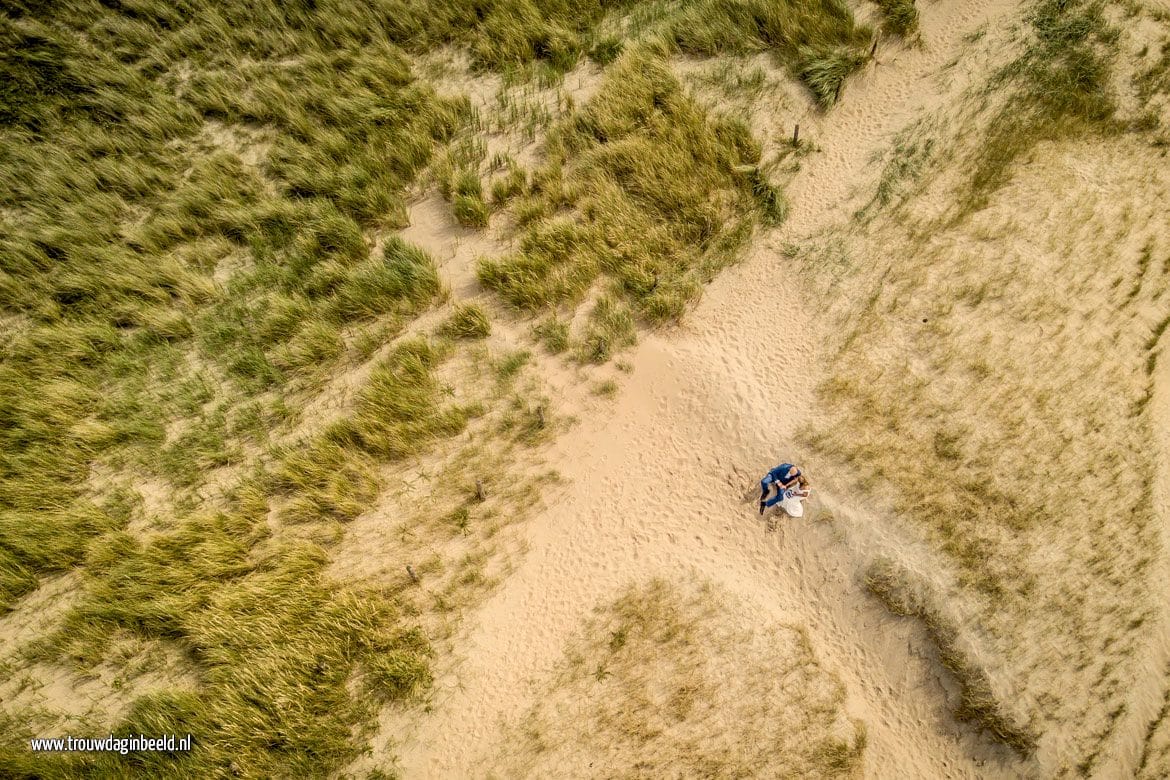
point(992, 388)
point(1155, 760)
point(671, 680)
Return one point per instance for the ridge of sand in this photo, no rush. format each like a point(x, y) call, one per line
point(1147, 700)
point(657, 487)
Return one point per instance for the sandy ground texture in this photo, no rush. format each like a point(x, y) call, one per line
point(657, 489)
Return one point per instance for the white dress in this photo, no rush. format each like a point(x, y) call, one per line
point(792, 504)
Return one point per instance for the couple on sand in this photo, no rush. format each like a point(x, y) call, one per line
point(784, 481)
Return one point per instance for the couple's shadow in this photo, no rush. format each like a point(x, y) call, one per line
point(773, 516)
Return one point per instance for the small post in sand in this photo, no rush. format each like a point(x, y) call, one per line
point(796, 135)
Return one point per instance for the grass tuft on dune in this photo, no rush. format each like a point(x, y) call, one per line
point(641, 188)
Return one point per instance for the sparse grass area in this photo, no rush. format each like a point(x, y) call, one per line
point(553, 333)
point(606, 389)
point(968, 435)
point(1058, 88)
point(1155, 760)
point(611, 329)
point(977, 702)
point(1155, 79)
point(644, 691)
point(912, 152)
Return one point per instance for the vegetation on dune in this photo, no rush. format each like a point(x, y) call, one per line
point(642, 691)
point(818, 40)
point(188, 197)
point(107, 269)
point(969, 435)
point(267, 629)
point(1155, 759)
point(120, 211)
point(977, 702)
point(640, 187)
point(467, 321)
point(1059, 87)
point(901, 16)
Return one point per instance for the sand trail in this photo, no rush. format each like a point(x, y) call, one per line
point(657, 487)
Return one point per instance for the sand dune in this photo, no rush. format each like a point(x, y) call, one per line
point(975, 377)
point(656, 489)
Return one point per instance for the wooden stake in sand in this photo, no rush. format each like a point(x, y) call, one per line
point(796, 135)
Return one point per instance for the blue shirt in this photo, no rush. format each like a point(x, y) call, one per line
point(782, 473)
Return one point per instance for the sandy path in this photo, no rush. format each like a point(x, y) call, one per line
point(657, 488)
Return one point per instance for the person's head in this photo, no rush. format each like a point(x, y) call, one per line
point(802, 480)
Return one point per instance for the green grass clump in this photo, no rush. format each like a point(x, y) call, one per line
point(471, 211)
point(399, 410)
point(509, 186)
point(553, 333)
point(1060, 87)
point(467, 321)
point(611, 328)
point(517, 32)
point(405, 280)
point(470, 208)
point(824, 71)
point(901, 16)
point(657, 198)
point(606, 50)
point(819, 41)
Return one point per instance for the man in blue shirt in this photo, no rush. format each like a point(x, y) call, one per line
point(779, 479)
